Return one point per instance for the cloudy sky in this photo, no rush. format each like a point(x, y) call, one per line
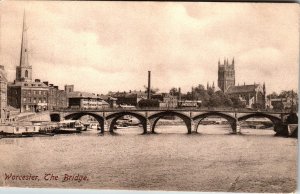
point(110, 46)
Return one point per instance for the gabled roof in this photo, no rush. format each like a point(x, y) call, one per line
point(29, 84)
point(242, 89)
point(77, 94)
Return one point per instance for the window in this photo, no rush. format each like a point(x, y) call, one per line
point(24, 99)
point(40, 92)
point(34, 92)
point(26, 73)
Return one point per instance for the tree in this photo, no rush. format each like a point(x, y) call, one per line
point(288, 93)
point(174, 91)
point(237, 103)
point(278, 106)
point(188, 96)
point(210, 91)
point(225, 100)
point(200, 93)
point(148, 103)
point(273, 95)
point(215, 100)
point(152, 90)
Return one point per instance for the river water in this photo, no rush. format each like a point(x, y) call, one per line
point(212, 160)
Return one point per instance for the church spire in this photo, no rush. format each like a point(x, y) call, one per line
point(24, 70)
point(24, 50)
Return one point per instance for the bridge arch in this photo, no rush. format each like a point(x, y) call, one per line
point(157, 116)
point(115, 116)
point(231, 120)
point(78, 115)
point(275, 120)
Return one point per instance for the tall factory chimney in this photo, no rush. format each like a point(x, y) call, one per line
point(179, 94)
point(149, 85)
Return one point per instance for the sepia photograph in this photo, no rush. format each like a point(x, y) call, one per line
point(149, 96)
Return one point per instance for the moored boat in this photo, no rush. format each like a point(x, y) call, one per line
point(69, 126)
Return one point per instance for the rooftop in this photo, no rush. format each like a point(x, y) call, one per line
point(242, 88)
point(29, 84)
point(77, 94)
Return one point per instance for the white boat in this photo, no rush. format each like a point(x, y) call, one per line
point(94, 125)
point(69, 126)
point(121, 126)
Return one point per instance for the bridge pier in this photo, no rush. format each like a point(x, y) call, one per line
point(281, 129)
point(233, 127)
point(189, 125)
point(145, 126)
point(108, 126)
point(102, 126)
point(151, 125)
point(196, 125)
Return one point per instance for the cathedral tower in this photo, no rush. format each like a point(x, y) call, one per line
point(24, 71)
point(226, 75)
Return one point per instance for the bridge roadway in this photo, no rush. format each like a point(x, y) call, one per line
point(149, 117)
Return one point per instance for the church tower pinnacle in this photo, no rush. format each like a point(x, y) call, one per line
point(226, 75)
point(24, 70)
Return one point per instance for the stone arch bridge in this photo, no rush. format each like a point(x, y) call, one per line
point(148, 118)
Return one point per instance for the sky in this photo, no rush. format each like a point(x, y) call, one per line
point(110, 46)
